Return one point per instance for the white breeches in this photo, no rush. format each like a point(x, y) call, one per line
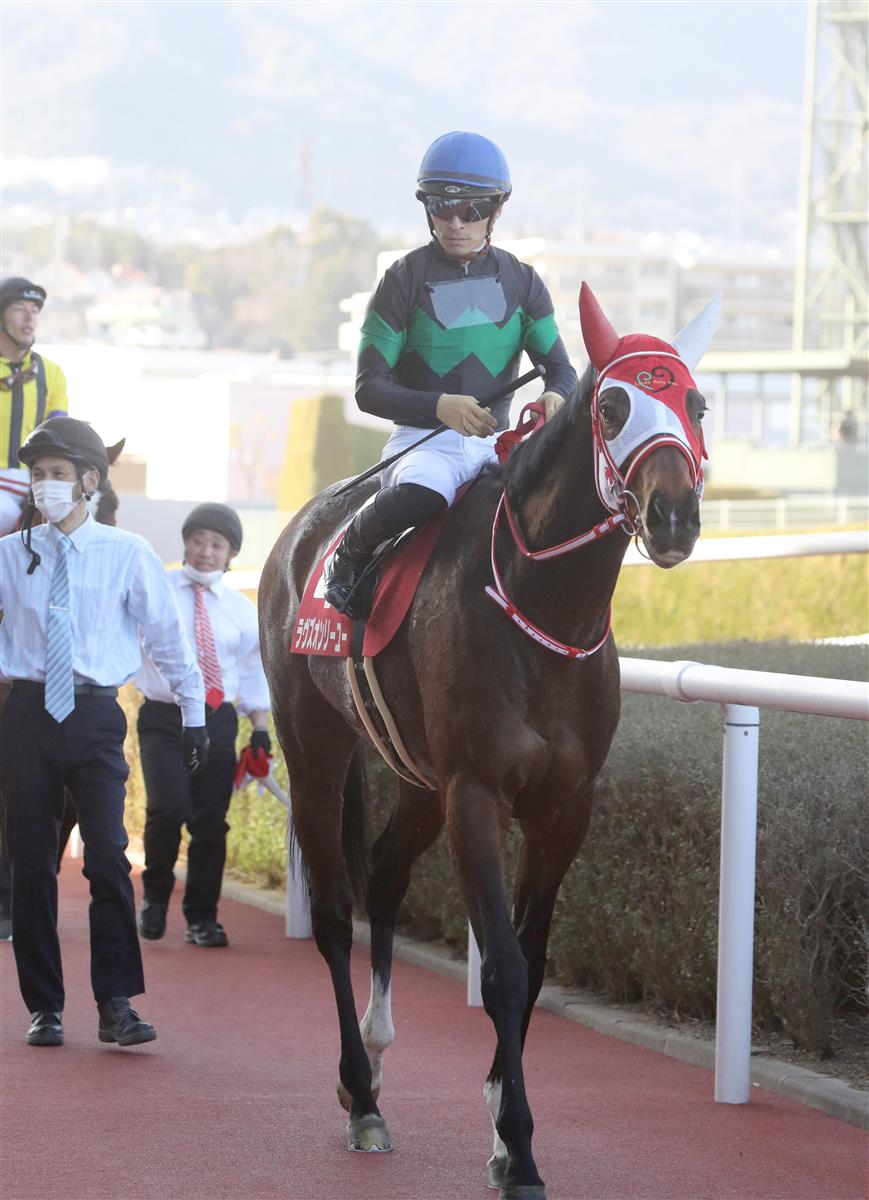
point(14, 486)
point(443, 464)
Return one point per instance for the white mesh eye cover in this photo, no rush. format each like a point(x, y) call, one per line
point(647, 418)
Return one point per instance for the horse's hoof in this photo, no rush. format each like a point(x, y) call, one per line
point(368, 1134)
point(495, 1168)
point(522, 1191)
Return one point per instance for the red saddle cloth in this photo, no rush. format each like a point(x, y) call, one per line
point(320, 630)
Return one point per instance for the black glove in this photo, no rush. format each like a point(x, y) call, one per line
point(194, 743)
point(260, 740)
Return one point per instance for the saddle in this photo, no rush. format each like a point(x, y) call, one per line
point(387, 588)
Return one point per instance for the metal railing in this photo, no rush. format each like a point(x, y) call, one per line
point(791, 512)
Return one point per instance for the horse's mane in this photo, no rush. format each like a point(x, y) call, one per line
point(531, 459)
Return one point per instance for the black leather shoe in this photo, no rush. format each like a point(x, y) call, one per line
point(206, 933)
point(46, 1029)
point(122, 1024)
point(152, 919)
point(342, 577)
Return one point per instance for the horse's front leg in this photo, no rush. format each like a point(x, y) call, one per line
point(549, 846)
point(474, 815)
point(413, 826)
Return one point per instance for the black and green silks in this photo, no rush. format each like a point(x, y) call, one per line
point(435, 325)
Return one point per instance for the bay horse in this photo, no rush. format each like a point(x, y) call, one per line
point(506, 718)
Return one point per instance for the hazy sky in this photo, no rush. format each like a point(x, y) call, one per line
point(641, 115)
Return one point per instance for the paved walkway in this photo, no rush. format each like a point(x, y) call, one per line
point(236, 1098)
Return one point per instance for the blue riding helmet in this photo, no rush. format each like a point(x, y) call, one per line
point(463, 164)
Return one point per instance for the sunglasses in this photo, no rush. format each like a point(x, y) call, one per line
point(467, 211)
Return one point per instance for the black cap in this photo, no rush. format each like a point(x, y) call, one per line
point(65, 437)
point(219, 518)
point(18, 288)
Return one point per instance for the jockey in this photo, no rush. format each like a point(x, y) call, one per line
point(31, 389)
point(445, 327)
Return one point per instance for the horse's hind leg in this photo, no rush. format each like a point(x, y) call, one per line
point(548, 848)
point(324, 794)
point(413, 826)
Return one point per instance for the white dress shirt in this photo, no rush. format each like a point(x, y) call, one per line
point(117, 587)
point(234, 623)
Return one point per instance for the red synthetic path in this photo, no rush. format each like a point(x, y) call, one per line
point(236, 1098)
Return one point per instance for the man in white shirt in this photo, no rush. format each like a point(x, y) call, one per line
point(221, 626)
point(75, 596)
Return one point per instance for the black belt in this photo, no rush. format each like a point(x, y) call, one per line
point(168, 706)
point(80, 689)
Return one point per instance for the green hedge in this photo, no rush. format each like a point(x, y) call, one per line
point(322, 447)
point(794, 598)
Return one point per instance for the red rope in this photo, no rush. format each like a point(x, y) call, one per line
point(510, 439)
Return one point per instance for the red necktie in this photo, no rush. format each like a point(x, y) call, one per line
point(206, 652)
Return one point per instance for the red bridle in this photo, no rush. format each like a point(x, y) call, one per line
point(532, 418)
point(506, 443)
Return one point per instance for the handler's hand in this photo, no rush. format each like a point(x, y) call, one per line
point(464, 414)
point(552, 401)
point(260, 740)
point(194, 744)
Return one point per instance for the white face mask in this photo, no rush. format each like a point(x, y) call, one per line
point(54, 498)
point(206, 578)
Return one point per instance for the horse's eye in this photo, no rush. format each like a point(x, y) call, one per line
point(608, 412)
point(701, 413)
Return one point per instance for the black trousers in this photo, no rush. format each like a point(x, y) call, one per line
point(38, 758)
point(175, 798)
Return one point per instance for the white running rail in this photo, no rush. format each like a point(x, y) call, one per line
point(742, 694)
point(709, 549)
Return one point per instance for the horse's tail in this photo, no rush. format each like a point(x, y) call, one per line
point(354, 826)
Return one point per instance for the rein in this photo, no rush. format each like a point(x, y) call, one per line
point(532, 418)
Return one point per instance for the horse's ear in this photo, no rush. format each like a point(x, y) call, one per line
point(598, 334)
point(114, 452)
point(694, 340)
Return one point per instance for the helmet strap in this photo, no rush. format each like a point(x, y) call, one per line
point(27, 533)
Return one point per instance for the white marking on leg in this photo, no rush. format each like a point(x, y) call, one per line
point(492, 1096)
point(377, 1028)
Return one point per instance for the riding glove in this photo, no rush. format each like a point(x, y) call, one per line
point(260, 740)
point(194, 743)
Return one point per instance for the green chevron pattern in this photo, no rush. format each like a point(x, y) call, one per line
point(382, 337)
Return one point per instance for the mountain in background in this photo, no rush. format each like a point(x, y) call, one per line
point(198, 121)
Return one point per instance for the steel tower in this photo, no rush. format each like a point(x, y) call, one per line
point(831, 296)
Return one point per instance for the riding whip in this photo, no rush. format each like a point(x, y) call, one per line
point(537, 372)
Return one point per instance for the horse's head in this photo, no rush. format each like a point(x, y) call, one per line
point(103, 504)
point(646, 415)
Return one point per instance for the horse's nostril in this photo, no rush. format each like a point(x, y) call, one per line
point(660, 510)
point(669, 519)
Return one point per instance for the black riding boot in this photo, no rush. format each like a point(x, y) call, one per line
point(393, 510)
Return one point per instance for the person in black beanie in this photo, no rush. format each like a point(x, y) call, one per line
point(221, 626)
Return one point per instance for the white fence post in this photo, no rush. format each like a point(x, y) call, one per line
point(736, 904)
point(475, 994)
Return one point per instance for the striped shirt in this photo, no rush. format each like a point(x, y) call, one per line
point(234, 623)
point(117, 588)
